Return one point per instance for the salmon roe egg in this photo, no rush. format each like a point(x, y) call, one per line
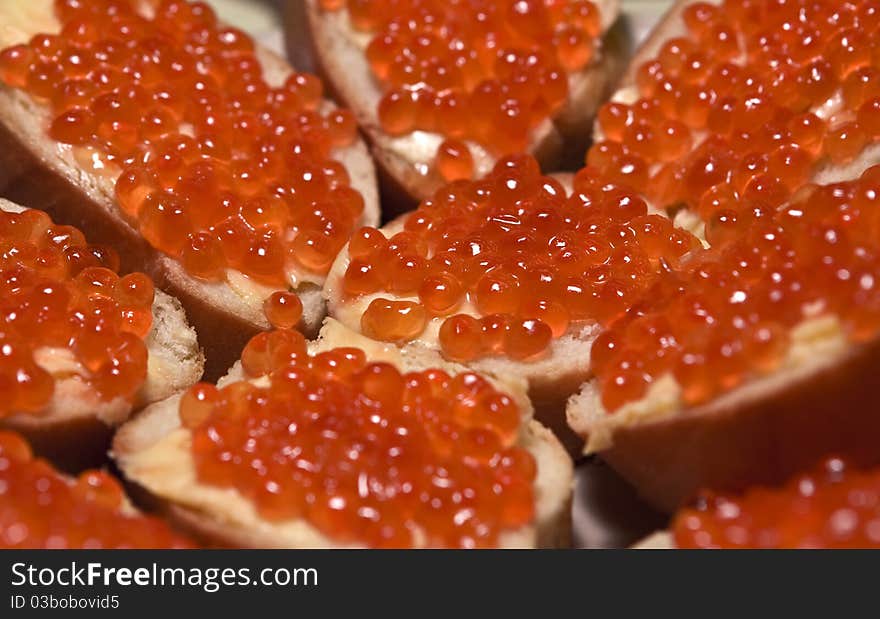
point(283, 309)
point(454, 161)
point(749, 101)
point(363, 452)
point(725, 314)
point(214, 165)
point(834, 505)
point(515, 247)
point(482, 72)
point(393, 320)
point(41, 508)
point(57, 293)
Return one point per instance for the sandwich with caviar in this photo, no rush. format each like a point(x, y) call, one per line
point(333, 446)
point(756, 124)
point(87, 512)
point(81, 346)
point(204, 159)
point(442, 90)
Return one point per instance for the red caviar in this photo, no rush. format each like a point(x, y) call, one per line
point(366, 454)
point(283, 309)
point(832, 506)
point(437, 62)
point(519, 253)
point(747, 103)
point(725, 315)
point(58, 292)
point(216, 167)
point(40, 508)
point(454, 161)
point(393, 321)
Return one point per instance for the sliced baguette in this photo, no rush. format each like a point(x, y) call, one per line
point(52, 525)
point(74, 430)
point(152, 451)
point(551, 379)
point(672, 25)
point(765, 431)
point(762, 432)
point(37, 171)
point(405, 162)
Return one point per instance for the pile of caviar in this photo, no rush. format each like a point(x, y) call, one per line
point(56, 291)
point(517, 252)
point(832, 506)
point(747, 103)
point(40, 508)
point(217, 168)
point(438, 61)
point(365, 453)
point(726, 314)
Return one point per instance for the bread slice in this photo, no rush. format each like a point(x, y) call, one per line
point(404, 162)
point(37, 171)
point(762, 432)
point(672, 25)
point(153, 452)
point(551, 379)
point(75, 428)
point(822, 401)
point(50, 528)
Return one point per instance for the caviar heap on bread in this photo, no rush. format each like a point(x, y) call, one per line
point(443, 89)
point(79, 341)
point(745, 100)
point(728, 314)
point(832, 505)
point(42, 508)
point(752, 122)
point(512, 273)
point(218, 169)
point(312, 462)
point(338, 446)
point(764, 342)
point(59, 292)
point(208, 153)
point(503, 265)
